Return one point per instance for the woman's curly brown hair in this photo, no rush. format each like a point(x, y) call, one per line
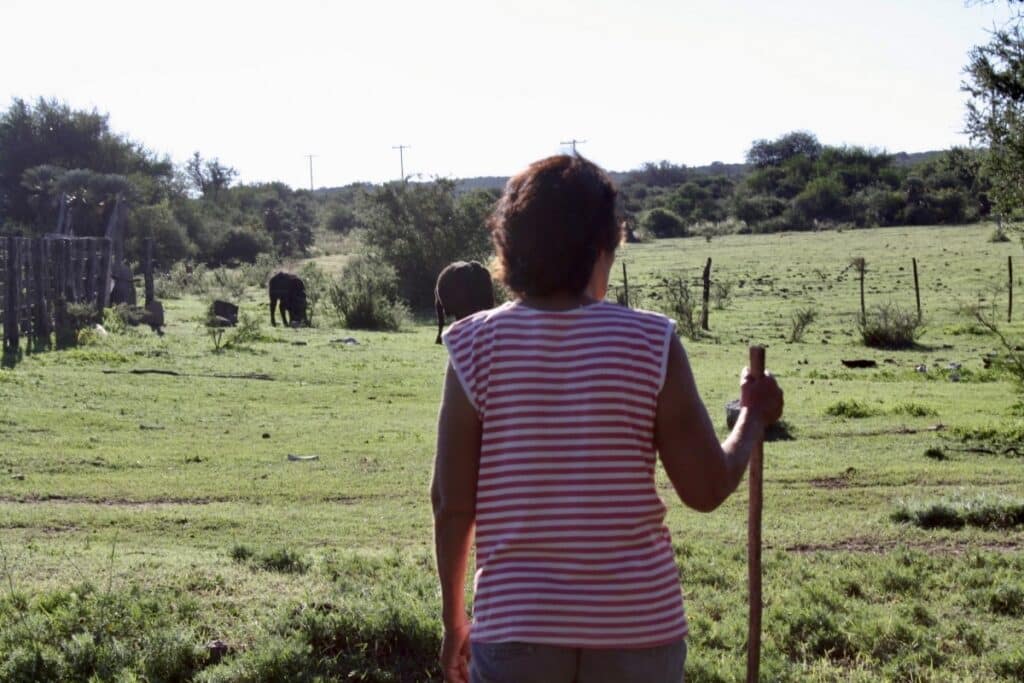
point(551, 223)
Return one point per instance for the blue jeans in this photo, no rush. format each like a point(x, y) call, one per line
point(531, 663)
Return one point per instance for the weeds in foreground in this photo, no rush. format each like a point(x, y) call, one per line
point(375, 619)
point(248, 331)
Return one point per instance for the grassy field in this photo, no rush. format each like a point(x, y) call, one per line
point(143, 516)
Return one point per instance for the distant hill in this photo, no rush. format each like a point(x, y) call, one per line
point(903, 159)
point(914, 158)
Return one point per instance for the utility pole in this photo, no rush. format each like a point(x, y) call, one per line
point(401, 158)
point(310, 157)
point(573, 143)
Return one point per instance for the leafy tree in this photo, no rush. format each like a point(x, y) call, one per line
point(662, 223)
point(821, 200)
point(995, 114)
point(661, 174)
point(240, 244)
point(88, 195)
point(209, 177)
point(170, 239)
point(419, 228)
point(342, 219)
point(50, 133)
point(764, 153)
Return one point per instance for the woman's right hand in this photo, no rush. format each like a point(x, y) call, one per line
point(455, 653)
point(762, 396)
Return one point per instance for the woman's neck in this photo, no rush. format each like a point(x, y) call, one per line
point(562, 301)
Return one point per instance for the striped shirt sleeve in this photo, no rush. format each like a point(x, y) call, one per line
point(464, 343)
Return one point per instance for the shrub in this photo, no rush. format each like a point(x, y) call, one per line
point(341, 220)
point(180, 279)
point(241, 552)
point(914, 410)
point(890, 327)
point(365, 295)
point(662, 223)
point(257, 274)
point(721, 293)
point(249, 329)
point(171, 242)
point(1011, 665)
point(800, 321)
point(850, 408)
point(283, 560)
point(998, 235)
point(419, 228)
point(230, 283)
point(1007, 600)
point(317, 282)
point(680, 302)
point(987, 512)
point(116, 318)
point(241, 245)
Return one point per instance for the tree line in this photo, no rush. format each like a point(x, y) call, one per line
point(57, 161)
point(797, 183)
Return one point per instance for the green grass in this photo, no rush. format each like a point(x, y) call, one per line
point(143, 516)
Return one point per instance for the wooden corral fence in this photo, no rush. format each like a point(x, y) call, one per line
point(40, 277)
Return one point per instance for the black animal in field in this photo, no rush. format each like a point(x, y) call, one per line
point(463, 288)
point(289, 291)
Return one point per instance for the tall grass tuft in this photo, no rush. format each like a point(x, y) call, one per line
point(984, 511)
point(888, 326)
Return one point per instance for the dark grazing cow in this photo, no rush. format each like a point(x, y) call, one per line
point(463, 288)
point(290, 291)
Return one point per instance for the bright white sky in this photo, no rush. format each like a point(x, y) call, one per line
point(483, 87)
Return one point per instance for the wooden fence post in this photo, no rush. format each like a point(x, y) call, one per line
point(103, 295)
point(625, 285)
point(92, 272)
point(64, 335)
point(41, 318)
point(148, 272)
point(917, 290)
point(13, 304)
point(707, 297)
point(74, 271)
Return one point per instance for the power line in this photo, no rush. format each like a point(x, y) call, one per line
point(310, 157)
point(401, 157)
point(573, 142)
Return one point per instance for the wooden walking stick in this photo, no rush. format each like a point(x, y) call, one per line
point(754, 537)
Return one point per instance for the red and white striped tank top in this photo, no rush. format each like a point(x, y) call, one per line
point(571, 545)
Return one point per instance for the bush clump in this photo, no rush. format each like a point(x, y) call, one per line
point(799, 322)
point(914, 410)
point(284, 561)
point(365, 296)
point(680, 302)
point(890, 327)
point(987, 512)
point(851, 408)
point(1007, 600)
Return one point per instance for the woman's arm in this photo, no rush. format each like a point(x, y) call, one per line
point(704, 472)
point(453, 494)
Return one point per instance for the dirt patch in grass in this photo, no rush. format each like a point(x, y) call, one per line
point(878, 546)
point(841, 481)
point(108, 502)
point(901, 430)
